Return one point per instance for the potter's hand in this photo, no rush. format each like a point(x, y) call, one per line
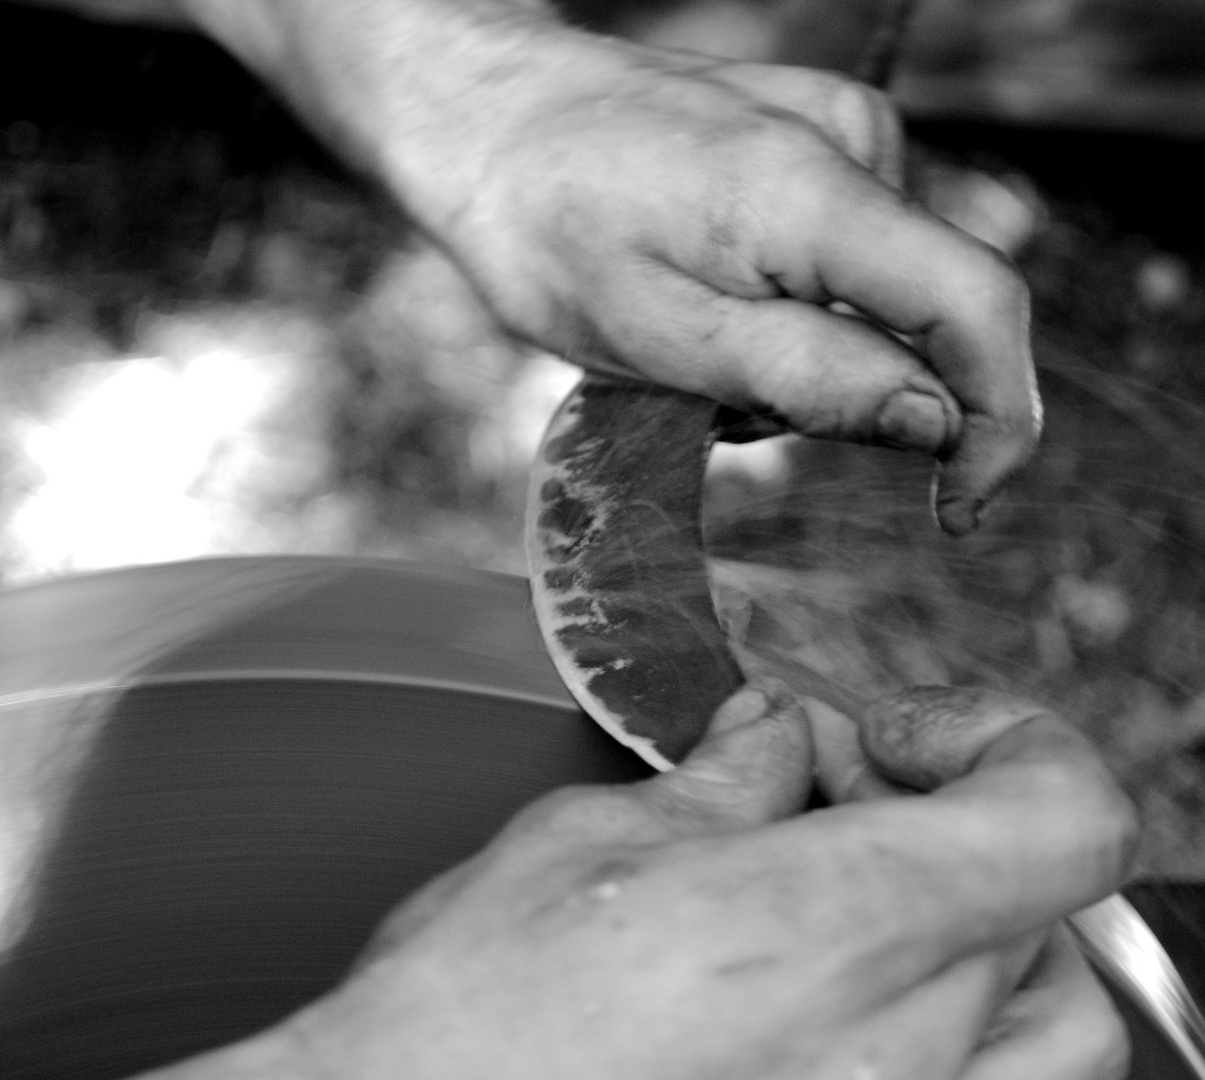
point(694, 926)
point(678, 218)
point(690, 222)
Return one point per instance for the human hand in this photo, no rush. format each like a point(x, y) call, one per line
point(689, 221)
point(694, 926)
point(673, 217)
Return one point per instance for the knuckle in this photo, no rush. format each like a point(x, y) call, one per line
point(705, 803)
point(580, 812)
point(566, 808)
point(1001, 285)
point(1102, 823)
point(753, 773)
point(604, 878)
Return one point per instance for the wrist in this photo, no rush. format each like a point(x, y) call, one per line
point(414, 91)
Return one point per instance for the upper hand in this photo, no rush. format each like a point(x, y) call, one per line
point(694, 926)
point(690, 221)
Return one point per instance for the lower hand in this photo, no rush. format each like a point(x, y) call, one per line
point(694, 925)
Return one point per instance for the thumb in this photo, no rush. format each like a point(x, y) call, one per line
point(753, 766)
point(927, 736)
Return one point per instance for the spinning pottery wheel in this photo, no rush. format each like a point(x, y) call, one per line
point(216, 777)
point(230, 770)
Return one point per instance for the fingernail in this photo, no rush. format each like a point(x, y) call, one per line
point(852, 112)
point(750, 704)
point(959, 517)
point(745, 706)
point(913, 421)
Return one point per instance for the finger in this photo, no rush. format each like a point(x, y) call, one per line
point(841, 377)
point(1036, 830)
point(934, 1028)
point(926, 736)
point(965, 309)
point(930, 1031)
point(754, 766)
point(1060, 1026)
point(859, 119)
point(843, 770)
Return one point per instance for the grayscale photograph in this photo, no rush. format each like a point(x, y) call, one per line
point(602, 539)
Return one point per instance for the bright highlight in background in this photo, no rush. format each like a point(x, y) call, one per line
point(217, 445)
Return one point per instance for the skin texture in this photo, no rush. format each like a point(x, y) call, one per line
point(695, 926)
point(679, 218)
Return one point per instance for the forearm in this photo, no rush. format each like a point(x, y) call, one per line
point(410, 89)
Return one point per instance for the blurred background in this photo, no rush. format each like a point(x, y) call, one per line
point(214, 339)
